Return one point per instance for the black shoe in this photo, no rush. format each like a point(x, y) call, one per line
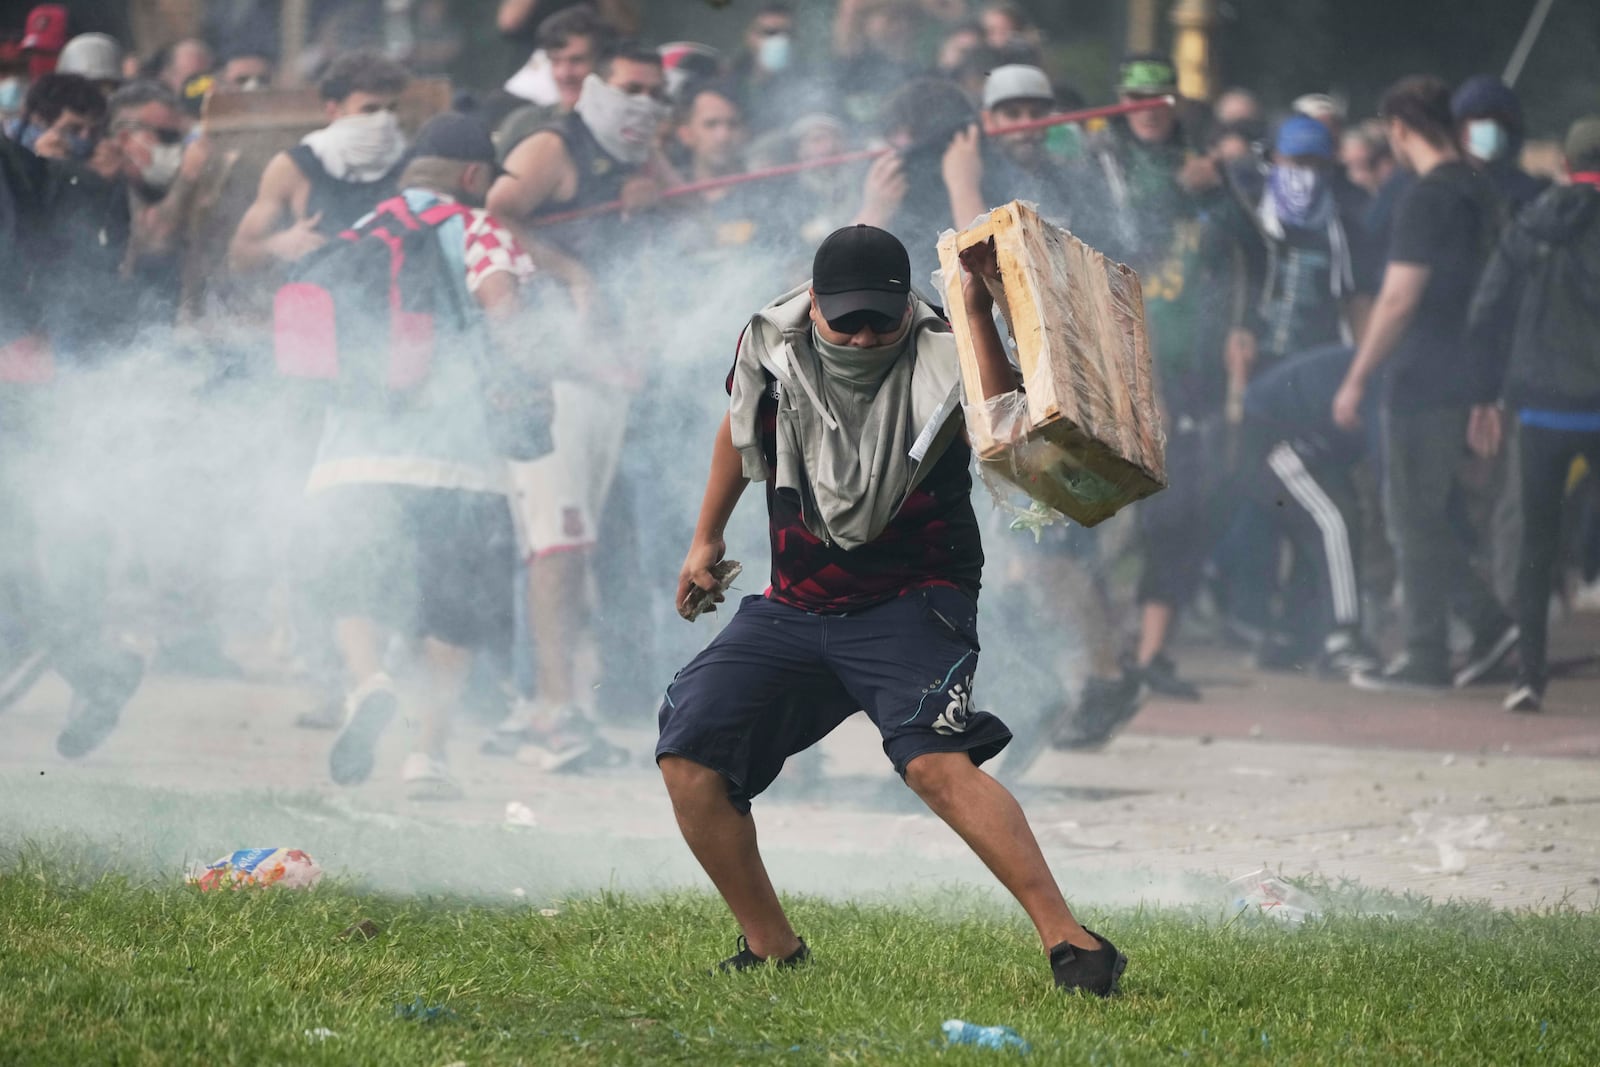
point(1404, 675)
point(1095, 972)
point(1282, 657)
point(1161, 675)
point(98, 697)
point(371, 707)
point(1107, 706)
point(1487, 653)
point(1526, 697)
point(1346, 654)
point(745, 960)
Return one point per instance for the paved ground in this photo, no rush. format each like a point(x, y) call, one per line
point(1448, 797)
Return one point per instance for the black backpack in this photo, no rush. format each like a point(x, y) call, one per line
point(369, 311)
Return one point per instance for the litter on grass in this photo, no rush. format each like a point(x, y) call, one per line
point(1261, 893)
point(288, 868)
point(961, 1032)
point(321, 1033)
point(519, 814)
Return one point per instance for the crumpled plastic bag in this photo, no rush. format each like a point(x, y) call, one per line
point(289, 868)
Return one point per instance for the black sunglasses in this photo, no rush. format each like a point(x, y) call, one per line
point(163, 134)
point(855, 321)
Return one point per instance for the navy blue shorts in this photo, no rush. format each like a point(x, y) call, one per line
point(778, 679)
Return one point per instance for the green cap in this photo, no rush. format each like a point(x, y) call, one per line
point(1583, 143)
point(1147, 76)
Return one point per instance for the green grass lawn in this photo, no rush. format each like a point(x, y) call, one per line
point(100, 968)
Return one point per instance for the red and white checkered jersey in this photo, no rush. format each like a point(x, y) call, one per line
point(491, 248)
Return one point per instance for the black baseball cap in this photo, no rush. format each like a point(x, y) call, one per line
point(453, 135)
point(861, 268)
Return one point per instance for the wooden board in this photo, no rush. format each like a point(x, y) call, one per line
point(1094, 442)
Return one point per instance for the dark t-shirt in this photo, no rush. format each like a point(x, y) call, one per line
point(1447, 221)
point(932, 540)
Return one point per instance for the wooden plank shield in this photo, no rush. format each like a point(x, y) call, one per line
point(1092, 443)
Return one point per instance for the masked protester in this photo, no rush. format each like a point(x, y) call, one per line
point(1447, 225)
point(1535, 329)
point(335, 175)
point(61, 118)
point(842, 399)
point(1489, 131)
point(771, 73)
point(605, 150)
point(409, 501)
point(1174, 220)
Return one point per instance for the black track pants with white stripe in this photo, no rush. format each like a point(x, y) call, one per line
point(1315, 508)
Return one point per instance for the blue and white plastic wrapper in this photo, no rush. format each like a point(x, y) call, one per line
point(288, 868)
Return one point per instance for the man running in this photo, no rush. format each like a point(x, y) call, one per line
point(843, 400)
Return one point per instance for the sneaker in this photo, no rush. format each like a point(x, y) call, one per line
point(368, 709)
point(526, 721)
point(745, 960)
point(1488, 653)
point(328, 715)
point(1346, 653)
point(1161, 675)
point(1525, 697)
point(1095, 972)
point(97, 702)
point(1403, 675)
point(1108, 704)
point(427, 778)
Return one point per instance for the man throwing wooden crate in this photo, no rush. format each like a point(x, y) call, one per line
point(845, 401)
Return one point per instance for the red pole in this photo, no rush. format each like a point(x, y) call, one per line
point(726, 180)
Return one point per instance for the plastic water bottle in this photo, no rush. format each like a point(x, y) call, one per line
point(961, 1032)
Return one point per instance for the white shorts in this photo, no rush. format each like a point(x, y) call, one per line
point(557, 499)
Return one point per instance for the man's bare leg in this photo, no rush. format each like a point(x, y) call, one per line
point(444, 677)
point(557, 615)
point(991, 822)
point(361, 647)
point(724, 841)
point(1155, 623)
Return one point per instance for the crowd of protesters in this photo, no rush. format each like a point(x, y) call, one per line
point(1342, 314)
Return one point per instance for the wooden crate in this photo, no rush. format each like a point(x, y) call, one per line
point(1094, 442)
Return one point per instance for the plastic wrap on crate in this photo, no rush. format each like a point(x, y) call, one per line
point(288, 868)
point(1093, 441)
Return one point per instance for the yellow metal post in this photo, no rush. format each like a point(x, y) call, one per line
point(1193, 22)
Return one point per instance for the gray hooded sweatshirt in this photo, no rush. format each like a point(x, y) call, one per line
point(858, 429)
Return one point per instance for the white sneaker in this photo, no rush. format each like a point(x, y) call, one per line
point(427, 778)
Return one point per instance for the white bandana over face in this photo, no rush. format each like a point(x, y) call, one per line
point(359, 148)
point(625, 125)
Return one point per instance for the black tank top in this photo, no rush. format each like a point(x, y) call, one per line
point(601, 176)
point(340, 203)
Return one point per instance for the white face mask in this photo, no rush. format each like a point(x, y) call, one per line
point(1487, 139)
point(13, 91)
point(774, 52)
point(162, 170)
point(626, 126)
point(359, 148)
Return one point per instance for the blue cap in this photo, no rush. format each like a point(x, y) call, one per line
point(1485, 96)
point(1302, 136)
